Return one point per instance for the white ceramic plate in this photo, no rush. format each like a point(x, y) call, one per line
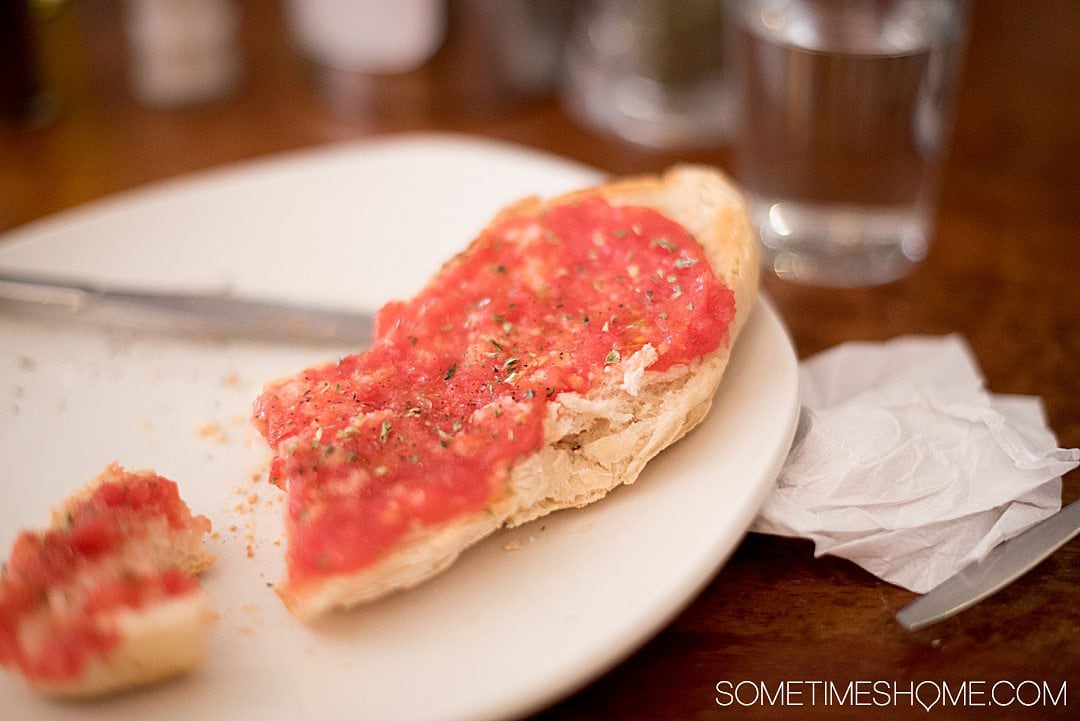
point(521, 620)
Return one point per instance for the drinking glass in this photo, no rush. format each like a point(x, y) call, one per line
point(842, 111)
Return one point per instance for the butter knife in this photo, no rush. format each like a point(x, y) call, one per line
point(999, 568)
point(215, 314)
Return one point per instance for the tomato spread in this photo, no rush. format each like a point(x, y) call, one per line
point(61, 588)
point(424, 426)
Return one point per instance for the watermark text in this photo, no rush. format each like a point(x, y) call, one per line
point(926, 694)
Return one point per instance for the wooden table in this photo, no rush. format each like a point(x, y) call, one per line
point(1002, 272)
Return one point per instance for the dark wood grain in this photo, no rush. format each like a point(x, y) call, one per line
point(1002, 271)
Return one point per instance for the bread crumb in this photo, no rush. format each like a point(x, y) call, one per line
point(512, 545)
point(245, 506)
point(211, 431)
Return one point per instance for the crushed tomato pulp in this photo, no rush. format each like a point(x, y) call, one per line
point(424, 426)
point(61, 588)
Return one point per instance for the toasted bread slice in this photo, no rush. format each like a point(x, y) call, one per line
point(106, 599)
point(593, 441)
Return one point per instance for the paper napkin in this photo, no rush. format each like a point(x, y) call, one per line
point(906, 465)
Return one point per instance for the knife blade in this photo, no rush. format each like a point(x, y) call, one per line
point(216, 314)
point(1003, 565)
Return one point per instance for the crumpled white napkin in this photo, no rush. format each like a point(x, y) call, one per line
point(906, 465)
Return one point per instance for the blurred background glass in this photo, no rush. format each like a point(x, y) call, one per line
point(649, 71)
point(842, 114)
point(182, 51)
point(368, 36)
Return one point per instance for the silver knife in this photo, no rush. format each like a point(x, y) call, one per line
point(216, 314)
point(999, 568)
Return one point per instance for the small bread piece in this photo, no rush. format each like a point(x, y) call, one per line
point(107, 599)
point(600, 421)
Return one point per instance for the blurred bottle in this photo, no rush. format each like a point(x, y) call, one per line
point(182, 51)
point(24, 99)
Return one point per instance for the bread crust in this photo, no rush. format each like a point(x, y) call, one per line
point(599, 440)
point(158, 642)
